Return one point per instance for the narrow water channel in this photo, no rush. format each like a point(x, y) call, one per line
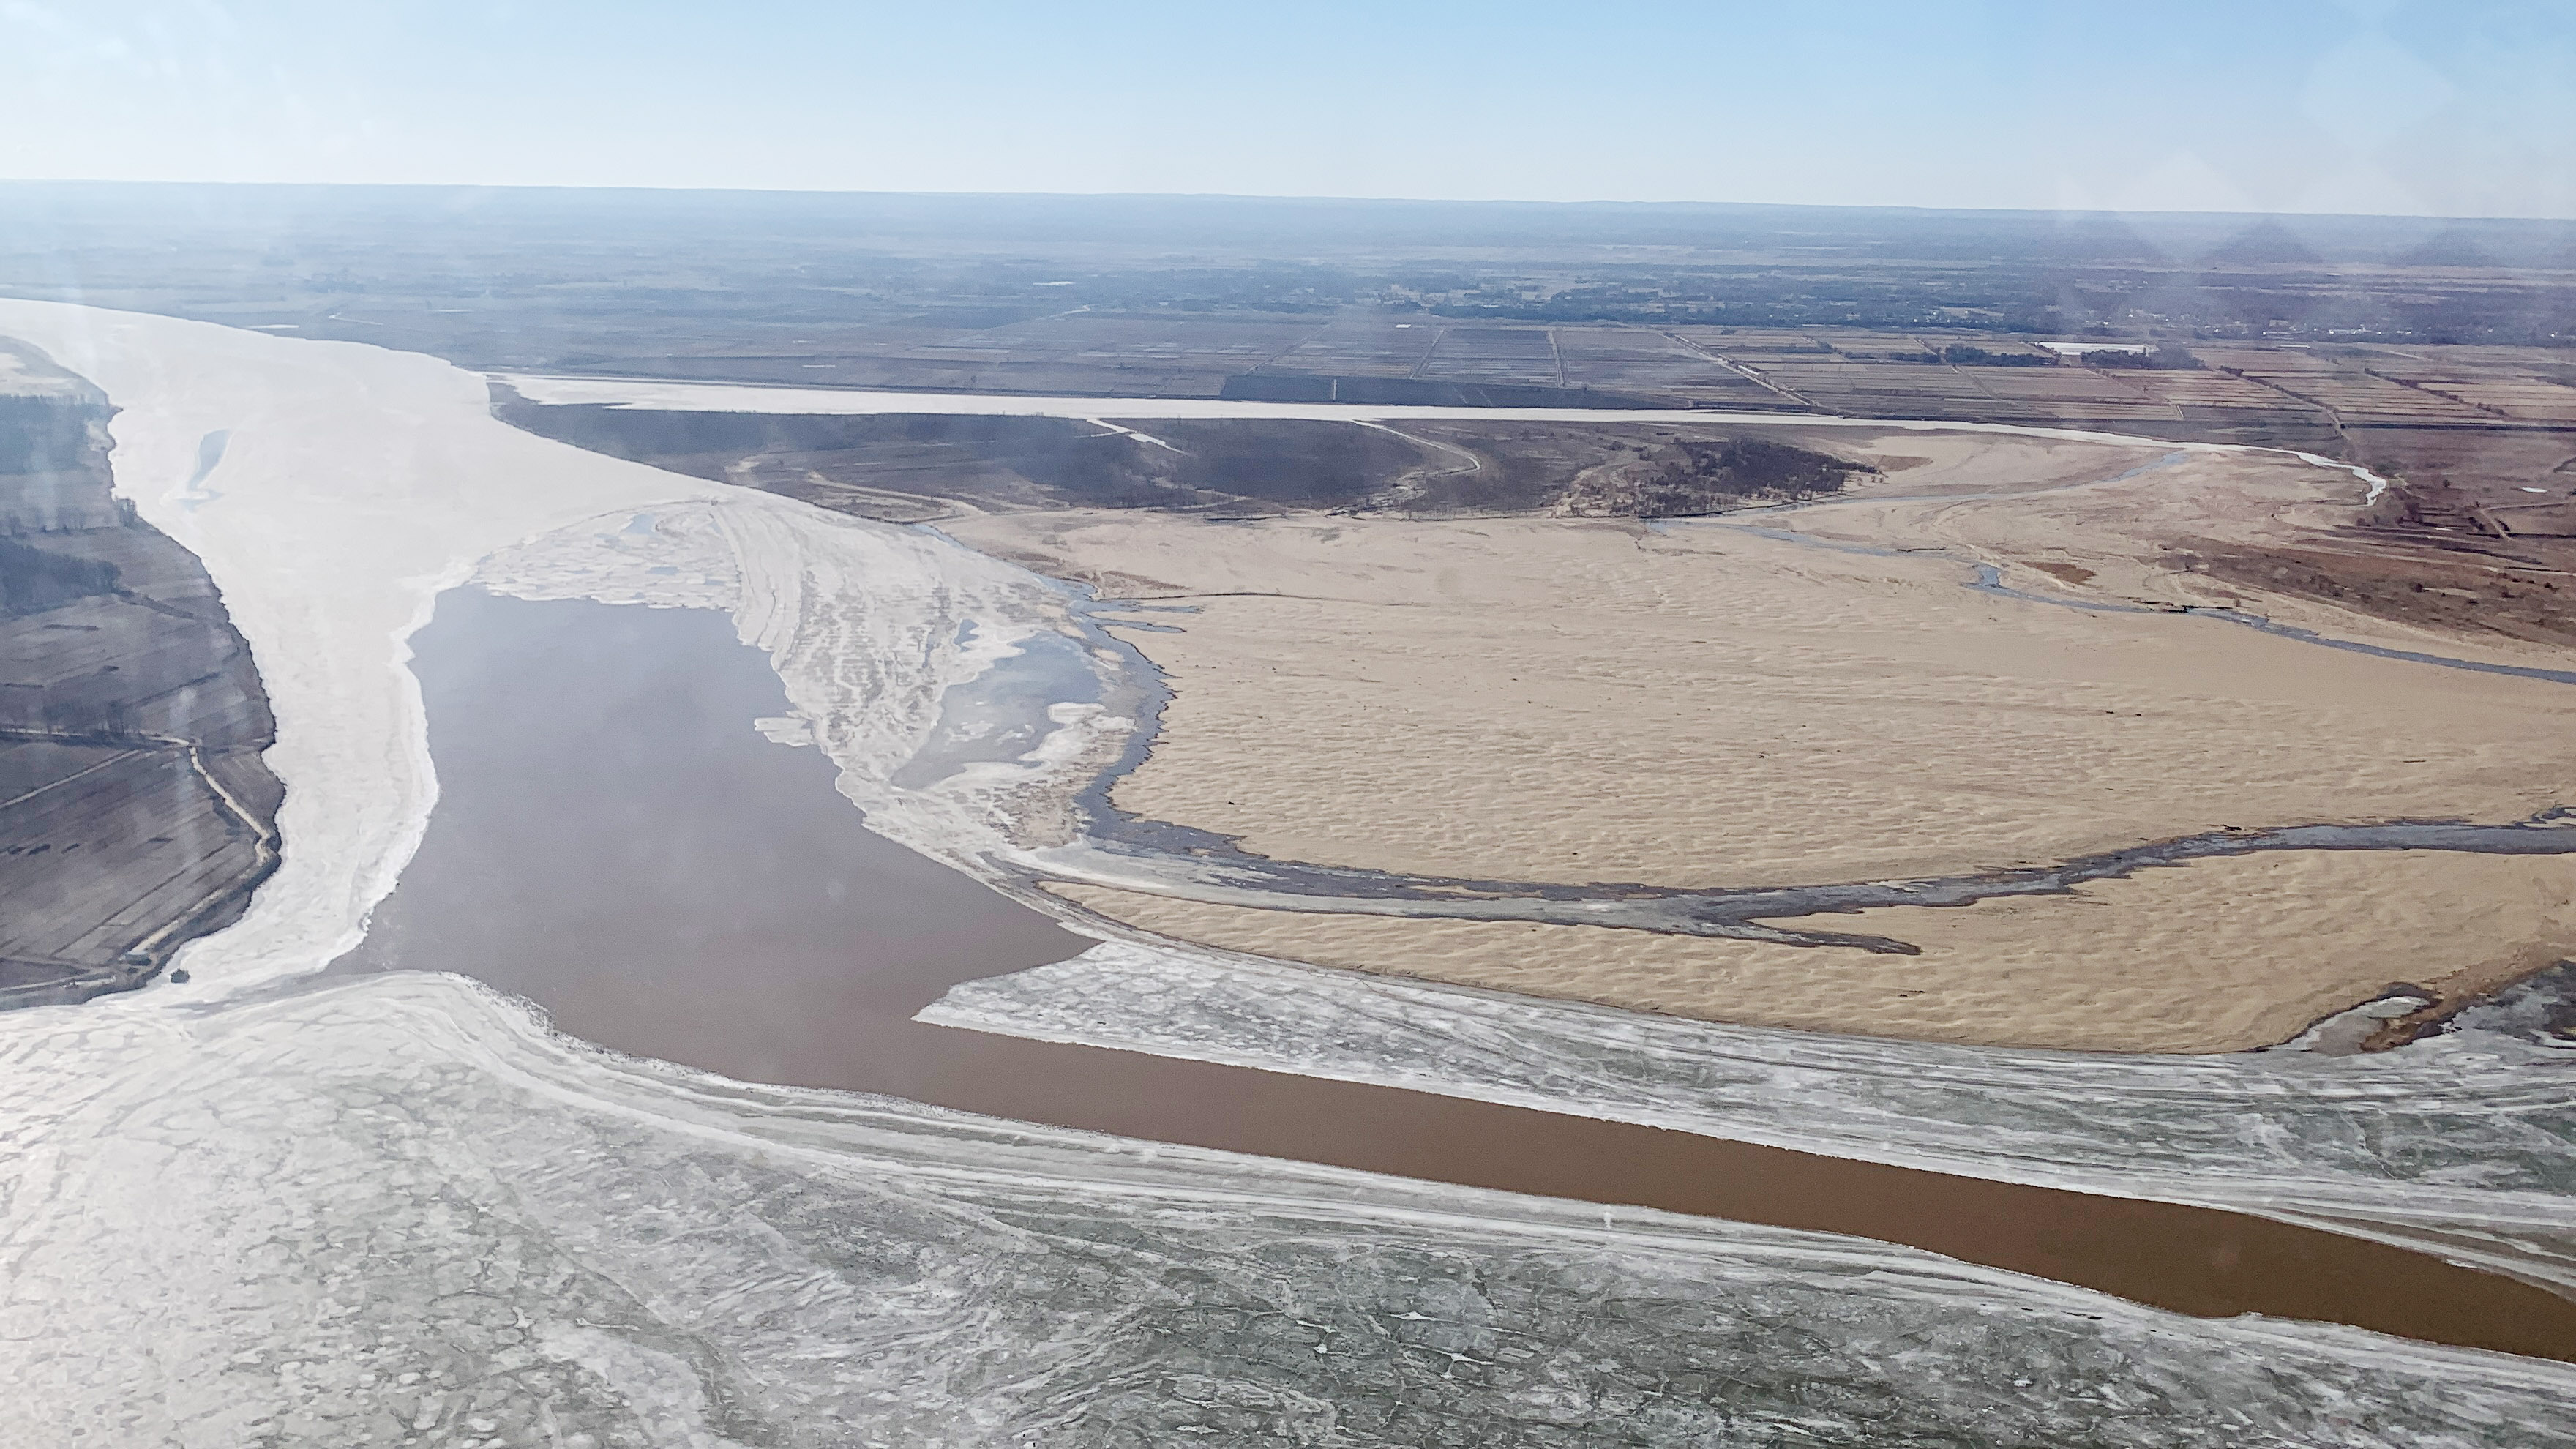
point(616, 843)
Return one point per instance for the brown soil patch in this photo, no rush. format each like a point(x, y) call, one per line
point(2458, 594)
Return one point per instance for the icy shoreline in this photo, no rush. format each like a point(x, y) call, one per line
point(353, 485)
point(400, 1204)
point(2455, 1146)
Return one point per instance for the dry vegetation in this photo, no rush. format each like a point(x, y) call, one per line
point(912, 467)
point(2475, 537)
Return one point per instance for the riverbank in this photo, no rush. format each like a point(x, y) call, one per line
point(576, 859)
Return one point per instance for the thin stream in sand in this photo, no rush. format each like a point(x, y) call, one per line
point(615, 842)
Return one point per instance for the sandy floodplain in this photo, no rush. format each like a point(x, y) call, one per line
point(1701, 705)
point(2216, 955)
point(1541, 700)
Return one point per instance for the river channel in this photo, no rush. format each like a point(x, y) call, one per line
point(614, 841)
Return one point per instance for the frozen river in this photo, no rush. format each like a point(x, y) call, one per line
point(259, 1206)
point(614, 841)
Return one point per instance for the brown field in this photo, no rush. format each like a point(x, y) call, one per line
point(2534, 401)
point(1504, 354)
point(2053, 385)
point(2214, 389)
point(2352, 396)
point(1754, 342)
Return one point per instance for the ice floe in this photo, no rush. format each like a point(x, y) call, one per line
point(397, 1206)
point(2458, 1145)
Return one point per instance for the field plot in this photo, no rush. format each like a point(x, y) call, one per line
point(1887, 389)
point(1208, 344)
point(2053, 384)
point(1077, 352)
point(1081, 353)
point(2282, 360)
point(1636, 360)
point(134, 810)
point(2484, 467)
point(1826, 385)
point(2538, 520)
point(2357, 395)
point(1734, 342)
point(1152, 343)
point(1363, 346)
point(2209, 388)
point(1835, 374)
point(1494, 354)
point(2070, 392)
point(2529, 400)
point(1894, 379)
point(116, 844)
point(1873, 345)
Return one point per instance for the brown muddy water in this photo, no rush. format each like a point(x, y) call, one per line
point(614, 842)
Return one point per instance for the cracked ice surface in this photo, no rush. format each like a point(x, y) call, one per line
point(890, 642)
point(358, 483)
point(2462, 1144)
point(397, 1206)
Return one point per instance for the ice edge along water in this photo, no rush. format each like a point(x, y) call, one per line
point(205, 1177)
point(2460, 1146)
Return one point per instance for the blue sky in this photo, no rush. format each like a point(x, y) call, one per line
point(2455, 109)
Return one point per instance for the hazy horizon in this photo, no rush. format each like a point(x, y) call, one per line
point(1565, 203)
point(2359, 109)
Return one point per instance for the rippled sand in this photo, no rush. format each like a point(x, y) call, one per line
point(1699, 706)
point(2217, 955)
point(1554, 701)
